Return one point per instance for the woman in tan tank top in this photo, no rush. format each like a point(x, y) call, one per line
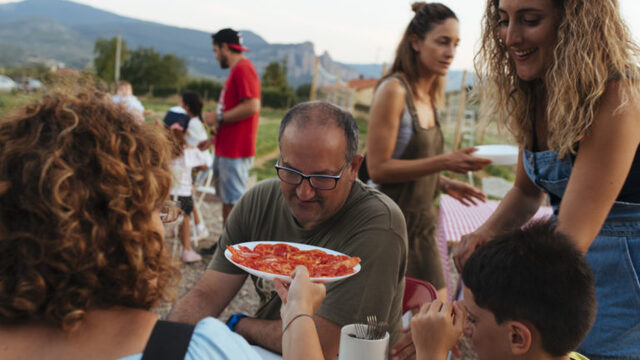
point(412, 88)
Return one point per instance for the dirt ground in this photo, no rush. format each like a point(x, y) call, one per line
point(246, 301)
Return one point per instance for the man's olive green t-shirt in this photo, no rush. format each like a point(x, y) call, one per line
point(369, 226)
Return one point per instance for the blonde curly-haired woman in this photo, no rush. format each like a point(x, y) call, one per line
point(563, 77)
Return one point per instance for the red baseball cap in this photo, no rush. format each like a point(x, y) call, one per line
point(231, 38)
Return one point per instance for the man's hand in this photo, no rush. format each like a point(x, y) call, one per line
point(206, 144)
point(209, 117)
point(436, 329)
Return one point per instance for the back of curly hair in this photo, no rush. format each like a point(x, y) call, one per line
point(593, 44)
point(80, 180)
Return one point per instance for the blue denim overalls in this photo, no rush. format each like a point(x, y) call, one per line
point(614, 257)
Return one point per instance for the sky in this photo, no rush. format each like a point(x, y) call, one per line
point(352, 31)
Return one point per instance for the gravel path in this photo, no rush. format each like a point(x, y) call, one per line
point(246, 301)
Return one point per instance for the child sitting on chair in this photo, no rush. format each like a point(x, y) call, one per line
point(185, 158)
point(528, 294)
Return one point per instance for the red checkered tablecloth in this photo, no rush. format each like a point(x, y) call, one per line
point(456, 220)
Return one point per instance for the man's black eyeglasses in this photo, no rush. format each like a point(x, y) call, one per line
point(319, 182)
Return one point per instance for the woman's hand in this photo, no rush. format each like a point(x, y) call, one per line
point(463, 192)
point(301, 296)
point(462, 161)
point(436, 329)
point(468, 244)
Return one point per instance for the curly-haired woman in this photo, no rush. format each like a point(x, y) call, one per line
point(563, 76)
point(405, 144)
point(82, 255)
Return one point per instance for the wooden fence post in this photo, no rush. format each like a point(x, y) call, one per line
point(461, 105)
point(314, 82)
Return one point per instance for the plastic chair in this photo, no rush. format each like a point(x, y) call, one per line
point(203, 188)
point(416, 293)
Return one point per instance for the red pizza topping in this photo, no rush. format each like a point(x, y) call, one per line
point(282, 259)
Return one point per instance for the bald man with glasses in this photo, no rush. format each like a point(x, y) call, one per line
point(315, 200)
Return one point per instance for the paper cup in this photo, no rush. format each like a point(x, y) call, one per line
point(352, 348)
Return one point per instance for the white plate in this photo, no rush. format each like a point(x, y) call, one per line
point(270, 276)
point(498, 154)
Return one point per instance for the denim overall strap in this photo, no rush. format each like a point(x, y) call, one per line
point(614, 257)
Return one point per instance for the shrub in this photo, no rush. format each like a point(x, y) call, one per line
point(303, 91)
point(277, 98)
point(504, 172)
point(362, 107)
point(162, 91)
point(208, 89)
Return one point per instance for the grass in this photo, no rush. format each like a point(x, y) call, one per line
point(267, 138)
point(362, 119)
point(13, 100)
point(266, 171)
point(269, 125)
point(159, 105)
point(272, 114)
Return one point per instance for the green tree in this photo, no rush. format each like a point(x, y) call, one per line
point(276, 92)
point(275, 75)
point(105, 57)
point(303, 91)
point(145, 67)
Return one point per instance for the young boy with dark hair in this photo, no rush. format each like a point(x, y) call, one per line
point(529, 294)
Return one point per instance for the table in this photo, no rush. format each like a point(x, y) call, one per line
point(457, 219)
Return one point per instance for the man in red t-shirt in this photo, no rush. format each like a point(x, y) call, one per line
point(235, 121)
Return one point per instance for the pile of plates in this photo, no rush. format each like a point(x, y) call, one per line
point(498, 154)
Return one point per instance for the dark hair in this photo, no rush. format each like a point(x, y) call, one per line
point(79, 184)
point(535, 275)
point(406, 61)
point(321, 112)
point(235, 51)
point(193, 101)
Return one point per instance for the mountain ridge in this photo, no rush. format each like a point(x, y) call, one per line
point(65, 31)
point(61, 19)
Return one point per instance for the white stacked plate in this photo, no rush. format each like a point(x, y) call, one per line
point(498, 154)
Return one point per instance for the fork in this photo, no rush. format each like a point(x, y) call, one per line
point(375, 330)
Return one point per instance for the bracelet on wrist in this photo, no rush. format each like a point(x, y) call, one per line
point(294, 318)
point(446, 185)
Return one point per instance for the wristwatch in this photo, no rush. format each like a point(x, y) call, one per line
point(219, 118)
point(233, 321)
